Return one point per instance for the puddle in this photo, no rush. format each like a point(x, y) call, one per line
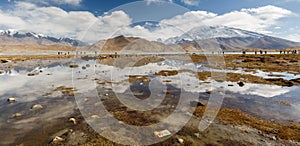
point(256, 72)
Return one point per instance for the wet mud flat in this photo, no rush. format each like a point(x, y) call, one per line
point(239, 122)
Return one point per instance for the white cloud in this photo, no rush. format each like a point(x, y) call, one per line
point(57, 2)
point(68, 2)
point(57, 22)
point(254, 19)
point(293, 37)
point(157, 1)
point(191, 2)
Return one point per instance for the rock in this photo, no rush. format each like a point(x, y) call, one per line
point(4, 61)
point(11, 100)
point(73, 120)
point(197, 135)
point(32, 74)
point(241, 84)
point(179, 140)
point(95, 117)
point(57, 140)
point(274, 138)
point(230, 85)
point(83, 67)
point(16, 115)
point(162, 133)
point(37, 107)
point(73, 65)
point(196, 103)
point(87, 65)
point(284, 103)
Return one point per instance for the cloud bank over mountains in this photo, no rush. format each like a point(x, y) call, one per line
point(28, 16)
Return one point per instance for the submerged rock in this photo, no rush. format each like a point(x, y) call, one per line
point(16, 115)
point(37, 107)
point(95, 117)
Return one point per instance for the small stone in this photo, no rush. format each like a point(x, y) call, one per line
point(32, 74)
point(73, 65)
point(274, 138)
point(197, 135)
point(73, 120)
point(95, 117)
point(162, 133)
point(241, 84)
point(196, 103)
point(181, 141)
point(4, 61)
point(11, 100)
point(37, 107)
point(57, 139)
point(16, 115)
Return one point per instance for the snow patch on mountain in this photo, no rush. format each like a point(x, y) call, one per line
point(208, 32)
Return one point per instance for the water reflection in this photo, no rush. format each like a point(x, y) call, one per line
point(256, 99)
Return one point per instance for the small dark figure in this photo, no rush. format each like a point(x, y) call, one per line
point(265, 52)
point(280, 52)
point(255, 52)
point(244, 52)
point(261, 52)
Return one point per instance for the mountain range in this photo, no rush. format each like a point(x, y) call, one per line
point(227, 38)
point(12, 37)
point(231, 39)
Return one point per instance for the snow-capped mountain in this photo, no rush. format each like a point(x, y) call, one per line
point(13, 37)
point(208, 32)
point(231, 38)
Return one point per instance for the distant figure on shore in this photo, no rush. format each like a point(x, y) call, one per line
point(295, 52)
point(261, 52)
point(280, 52)
point(266, 52)
point(244, 52)
point(255, 52)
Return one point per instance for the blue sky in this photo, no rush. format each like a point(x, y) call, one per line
point(77, 18)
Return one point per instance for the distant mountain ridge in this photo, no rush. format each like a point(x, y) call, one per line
point(232, 39)
point(12, 37)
